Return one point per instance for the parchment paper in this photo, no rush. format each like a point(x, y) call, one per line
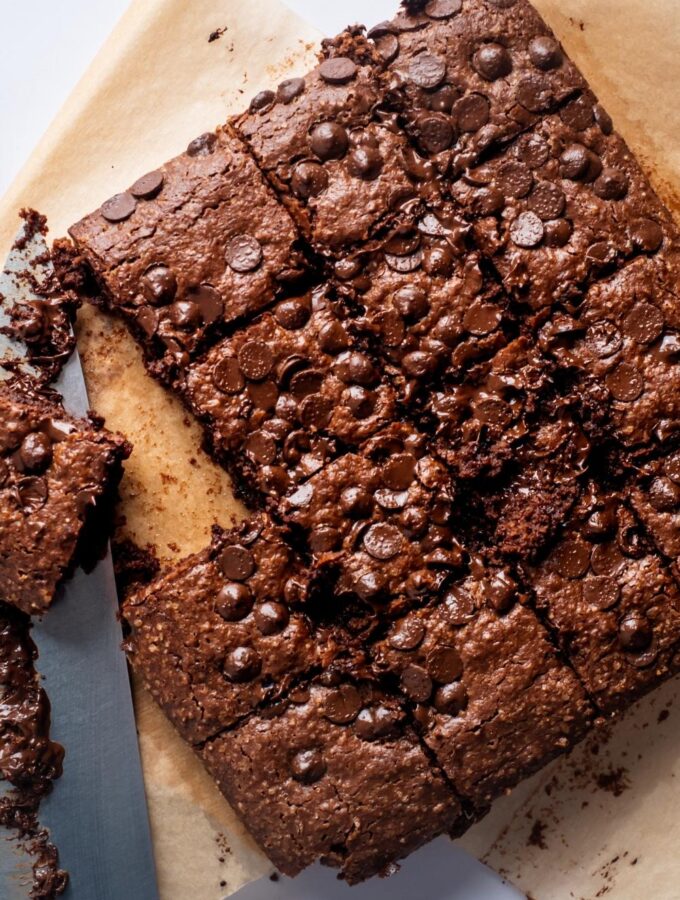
point(157, 84)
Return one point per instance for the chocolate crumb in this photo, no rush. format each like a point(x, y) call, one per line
point(615, 782)
point(663, 715)
point(537, 836)
point(216, 34)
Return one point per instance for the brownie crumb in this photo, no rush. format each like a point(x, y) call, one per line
point(615, 782)
point(36, 223)
point(216, 34)
point(537, 836)
point(274, 876)
point(663, 715)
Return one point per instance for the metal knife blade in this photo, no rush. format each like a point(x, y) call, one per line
point(97, 812)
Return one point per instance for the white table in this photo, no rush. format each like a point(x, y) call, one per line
point(47, 46)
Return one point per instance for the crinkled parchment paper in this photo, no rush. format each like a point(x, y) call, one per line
point(603, 822)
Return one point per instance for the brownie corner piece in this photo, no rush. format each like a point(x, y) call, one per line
point(216, 635)
point(189, 248)
point(335, 773)
point(54, 470)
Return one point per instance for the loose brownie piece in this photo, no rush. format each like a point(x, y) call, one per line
point(54, 471)
point(380, 522)
point(471, 75)
point(564, 205)
point(216, 635)
point(336, 774)
point(612, 602)
point(655, 496)
point(623, 339)
point(196, 244)
point(283, 393)
point(493, 701)
point(342, 174)
point(425, 302)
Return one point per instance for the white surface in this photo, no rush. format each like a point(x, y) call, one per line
point(46, 48)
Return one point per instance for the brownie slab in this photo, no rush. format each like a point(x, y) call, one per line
point(335, 774)
point(492, 699)
point(196, 244)
point(283, 394)
point(215, 636)
point(54, 470)
point(612, 602)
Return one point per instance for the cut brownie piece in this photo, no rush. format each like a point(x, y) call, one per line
point(424, 302)
point(493, 700)
point(343, 175)
point(471, 75)
point(215, 636)
point(335, 774)
point(282, 394)
point(611, 601)
point(563, 206)
point(198, 243)
point(655, 495)
point(623, 339)
point(54, 470)
point(380, 523)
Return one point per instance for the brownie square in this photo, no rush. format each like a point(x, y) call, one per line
point(611, 601)
point(284, 393)
point(655, 496)
point(335, 774)
point(622, 339)
point(492, 699)
point(215, 636)
point(425, 302)
point(343, 173)
point(564, 205)
point(469, 76)
point(196, 244)
point(54, 471)
point(380, 523)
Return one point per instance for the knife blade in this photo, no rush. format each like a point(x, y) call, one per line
point(97, 812)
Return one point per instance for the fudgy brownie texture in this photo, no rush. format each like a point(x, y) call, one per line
point(335, 773)
point(492, 699)
point(196, 244)
point(611, 600)
point(283, 394)
point(215, 636)
point(54, 471)
point(655, 496)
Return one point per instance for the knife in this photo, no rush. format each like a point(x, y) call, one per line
point(97, 812)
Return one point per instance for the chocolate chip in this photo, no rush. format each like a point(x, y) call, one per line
point(625, 383)
point(404, 264)
point(672, 468)
point(547, 201)
point(407, 635)
point(439, 260)
point(501, 591)
point(606, 559)
point(289, 89)
point(601, 592)
point(302, 496)
point(603, 338)
point(545, 53)
point(227, 377)
point(342, 706)
point(527, 230)
point(261, 448)
point(316, 411)
point(514, 179)
point(444, 665)
point(533, 151)
point(148, 320)
point(306, 382)
point(148, 186)
point(237, 562)
point(308, 766)
point(635, 632)
point(204, 144)
point(185, 314)
point(365, 163)
point(243, 664)
point(487, 201)
point(535, 94)
point(353, 367)
point(571, 558)
point(32, 493)
point(383, 541)
point(443, 99)
point(244, 253)
point(309, 179)
point(427, 70)
point(356, 502)
point(578, 114)
point(575, 162)
point(472, 112)
point(419, 364)
point(416, 683)
point(255, 360)
point(411, 302)
point(443, 9)
point(664, 495)
point(434, 132)
point(360, 401)
point(601, 523)
point(451, 699)
point(399, 471)
point(387, 46)
point(35, 452)
point(492, 61)
point(234, 601)
point(482, 318)
point(647, 235)
point(329, 141)
point(159, 285)
point(119, 207)
point(338, 70)
point(644, 323)
point(611, 185)
point(333, 338)
point(369, 586)
point(558, 232)
point(271, 617)
point(377, 723)
point(603, 119)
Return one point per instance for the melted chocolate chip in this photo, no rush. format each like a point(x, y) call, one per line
point(338, 70)
point(444, 665)
point(434, 132)
point(635, 632)
point(185, 314)
point(644, 323)
point(316, 411)
point(664, 495)
point(535, 94)
point(625, 383)
point(329, 141)
point(601, 592)
point(472, 112)
point(427, 70)
point(443, 9)
point(35, 452)
point(647, 235)
point(309, 179)
point(333, 338)
point(242, 664)
point(547, 201)
point(119, 208)
point(159, 285)
point(234, 601)
point(356, 502)
point(603, 339)
point(399, 471)
point(32, 493)
point(416, 683)
point(365, 163)
point(611, 185)
point(482, 318)
point(237, 562)
point(262, 101)
point(203, 145)
point(571, 559)
point(148, 186)
point(289, 89)
point(377, 723)
point(261, 448)
point(255, 360)
point(451, 699)
point(407, 635)
point(244, 253)
point(271, 617)
point(514, 179)
point(342, 706)
point(308, 766)
point(383, 541)
point(545, 53)
point(527, 230)
point(411, 302)
point(227, 377)
point(492, 61)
